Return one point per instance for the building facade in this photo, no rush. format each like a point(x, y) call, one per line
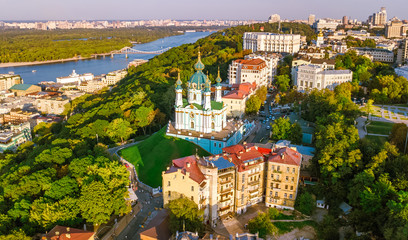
point(235, 99)
point(271, 60)
point(14, 136)
point(253, 71)
point(396, 29)
point(325, 24)
point(378, 54)
point(402, 52)
point(402, 71)
point(114, 77)
point(9, 80)
point(311, 76)
point(234, 180)
point(202, 119)
point(75, 78)
point(24, 89)
point(378, 18)
point(271, 42)
point(52, 105)
point(274, 18)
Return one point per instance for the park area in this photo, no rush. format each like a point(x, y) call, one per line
point(377, 127)
point(153, 155)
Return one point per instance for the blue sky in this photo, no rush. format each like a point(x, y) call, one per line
point(196, 9)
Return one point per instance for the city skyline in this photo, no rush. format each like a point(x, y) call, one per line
point(186, 10)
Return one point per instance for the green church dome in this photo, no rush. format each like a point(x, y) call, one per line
point(198, 80)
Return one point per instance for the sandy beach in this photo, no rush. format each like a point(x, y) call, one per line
point(19, 64)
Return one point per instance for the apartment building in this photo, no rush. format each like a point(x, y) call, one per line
point(114, 77)
point(235, 100)
point(17, 116)
point(323, 24)
point(9, 80)
point(271, 60)
point(378, 54)
point(395, 29)
point(325, 64)
point(52, 105)
point(281, 184)
point(14, 136)
point(238, 178)
point(271, 42)
point(402, 52)
point(91, 86)
point(311, 76)
point(253, 71)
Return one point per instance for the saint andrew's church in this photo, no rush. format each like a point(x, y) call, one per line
point(201, 118)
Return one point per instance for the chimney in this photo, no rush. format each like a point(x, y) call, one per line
point(188, 164)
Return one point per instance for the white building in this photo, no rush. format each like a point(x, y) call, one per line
point(323, 24)
point(114, 77)
point(271, 42)
point(311, 76)
point(75, 78)
point(248, 71)
point(378, 54)
point(271, 60)
point(274, 18)
point(402, 71)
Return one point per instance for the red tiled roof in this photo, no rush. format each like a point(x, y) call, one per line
point(188, 164)
point(286, 156)
point(241, 91)
point(255, 63)
point(240, 154)
point(66, 233)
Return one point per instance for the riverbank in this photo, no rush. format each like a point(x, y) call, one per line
point(21, 64)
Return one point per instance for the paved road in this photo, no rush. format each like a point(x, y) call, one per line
point(149, 203)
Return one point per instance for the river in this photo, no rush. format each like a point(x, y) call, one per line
point(49, 72)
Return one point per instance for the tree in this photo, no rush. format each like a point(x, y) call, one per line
point(328, 228)
point(398, 135)
point(282, 82)
point(14, 235)
point(95, 203)
point(369, 107)
point(253, 104)
point(305, 203)
point(66, 186)
point(295, 133)
point(281, 129)
point(119, 129)
point(143, 117)
point(262, 225)
point(262, 93)
point(184, 215)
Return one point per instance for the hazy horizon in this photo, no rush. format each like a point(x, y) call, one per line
point(25, 10)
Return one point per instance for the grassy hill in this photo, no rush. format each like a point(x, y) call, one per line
point(154, 155)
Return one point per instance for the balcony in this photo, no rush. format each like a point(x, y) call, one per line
point(226, 208)
point(225, 199)
point(254, 190)
point(223, 181)
point(253, 183)
point(225, 190)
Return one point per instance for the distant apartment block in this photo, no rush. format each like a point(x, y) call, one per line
point(9, 80)
point(325, 24)
point(114, 77)
point(234, 180)
point(51, 105)
point(312, 76)
point(14, 136)
point(402, 52)
point(378, 54)
point(91, 86)
point(396, 29)
point(271, 42)
point(402, 71)
point(137, 62)
point(378, 18)
point(18, 116)
point(248, 71)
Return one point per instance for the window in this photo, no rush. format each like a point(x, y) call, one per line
point(242, 199)
point(293, 179)
point(169, 193)
point(215, 144)
point(277, 177)
point(287, 170)
point(243, 178)
point(168, 184)
point(192, 124)
point(219, 145)
point(291, 187)
point(287, 178)
point(278, 168)
point(286, 195)
point(293, 170)
point(286, 186)
point(276, 194)
point(291, 196)
point(271, 176)
point(192, 198)
point(192, 188)
point(273, 167)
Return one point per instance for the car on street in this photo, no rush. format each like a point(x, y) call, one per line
point(268, 127)
point(273, 118)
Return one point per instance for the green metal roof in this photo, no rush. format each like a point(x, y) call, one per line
point(198, 106)
point(21, 86)
point(217, 105)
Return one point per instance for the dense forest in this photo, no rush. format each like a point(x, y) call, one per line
point(38, 45)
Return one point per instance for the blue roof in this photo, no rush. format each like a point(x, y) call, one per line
point(345, 208)
point(222, 163)
point(309, 151)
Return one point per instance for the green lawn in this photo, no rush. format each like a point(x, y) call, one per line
point(154, 155)
point(285, 227)
point(377, 127)
point(377, 139)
